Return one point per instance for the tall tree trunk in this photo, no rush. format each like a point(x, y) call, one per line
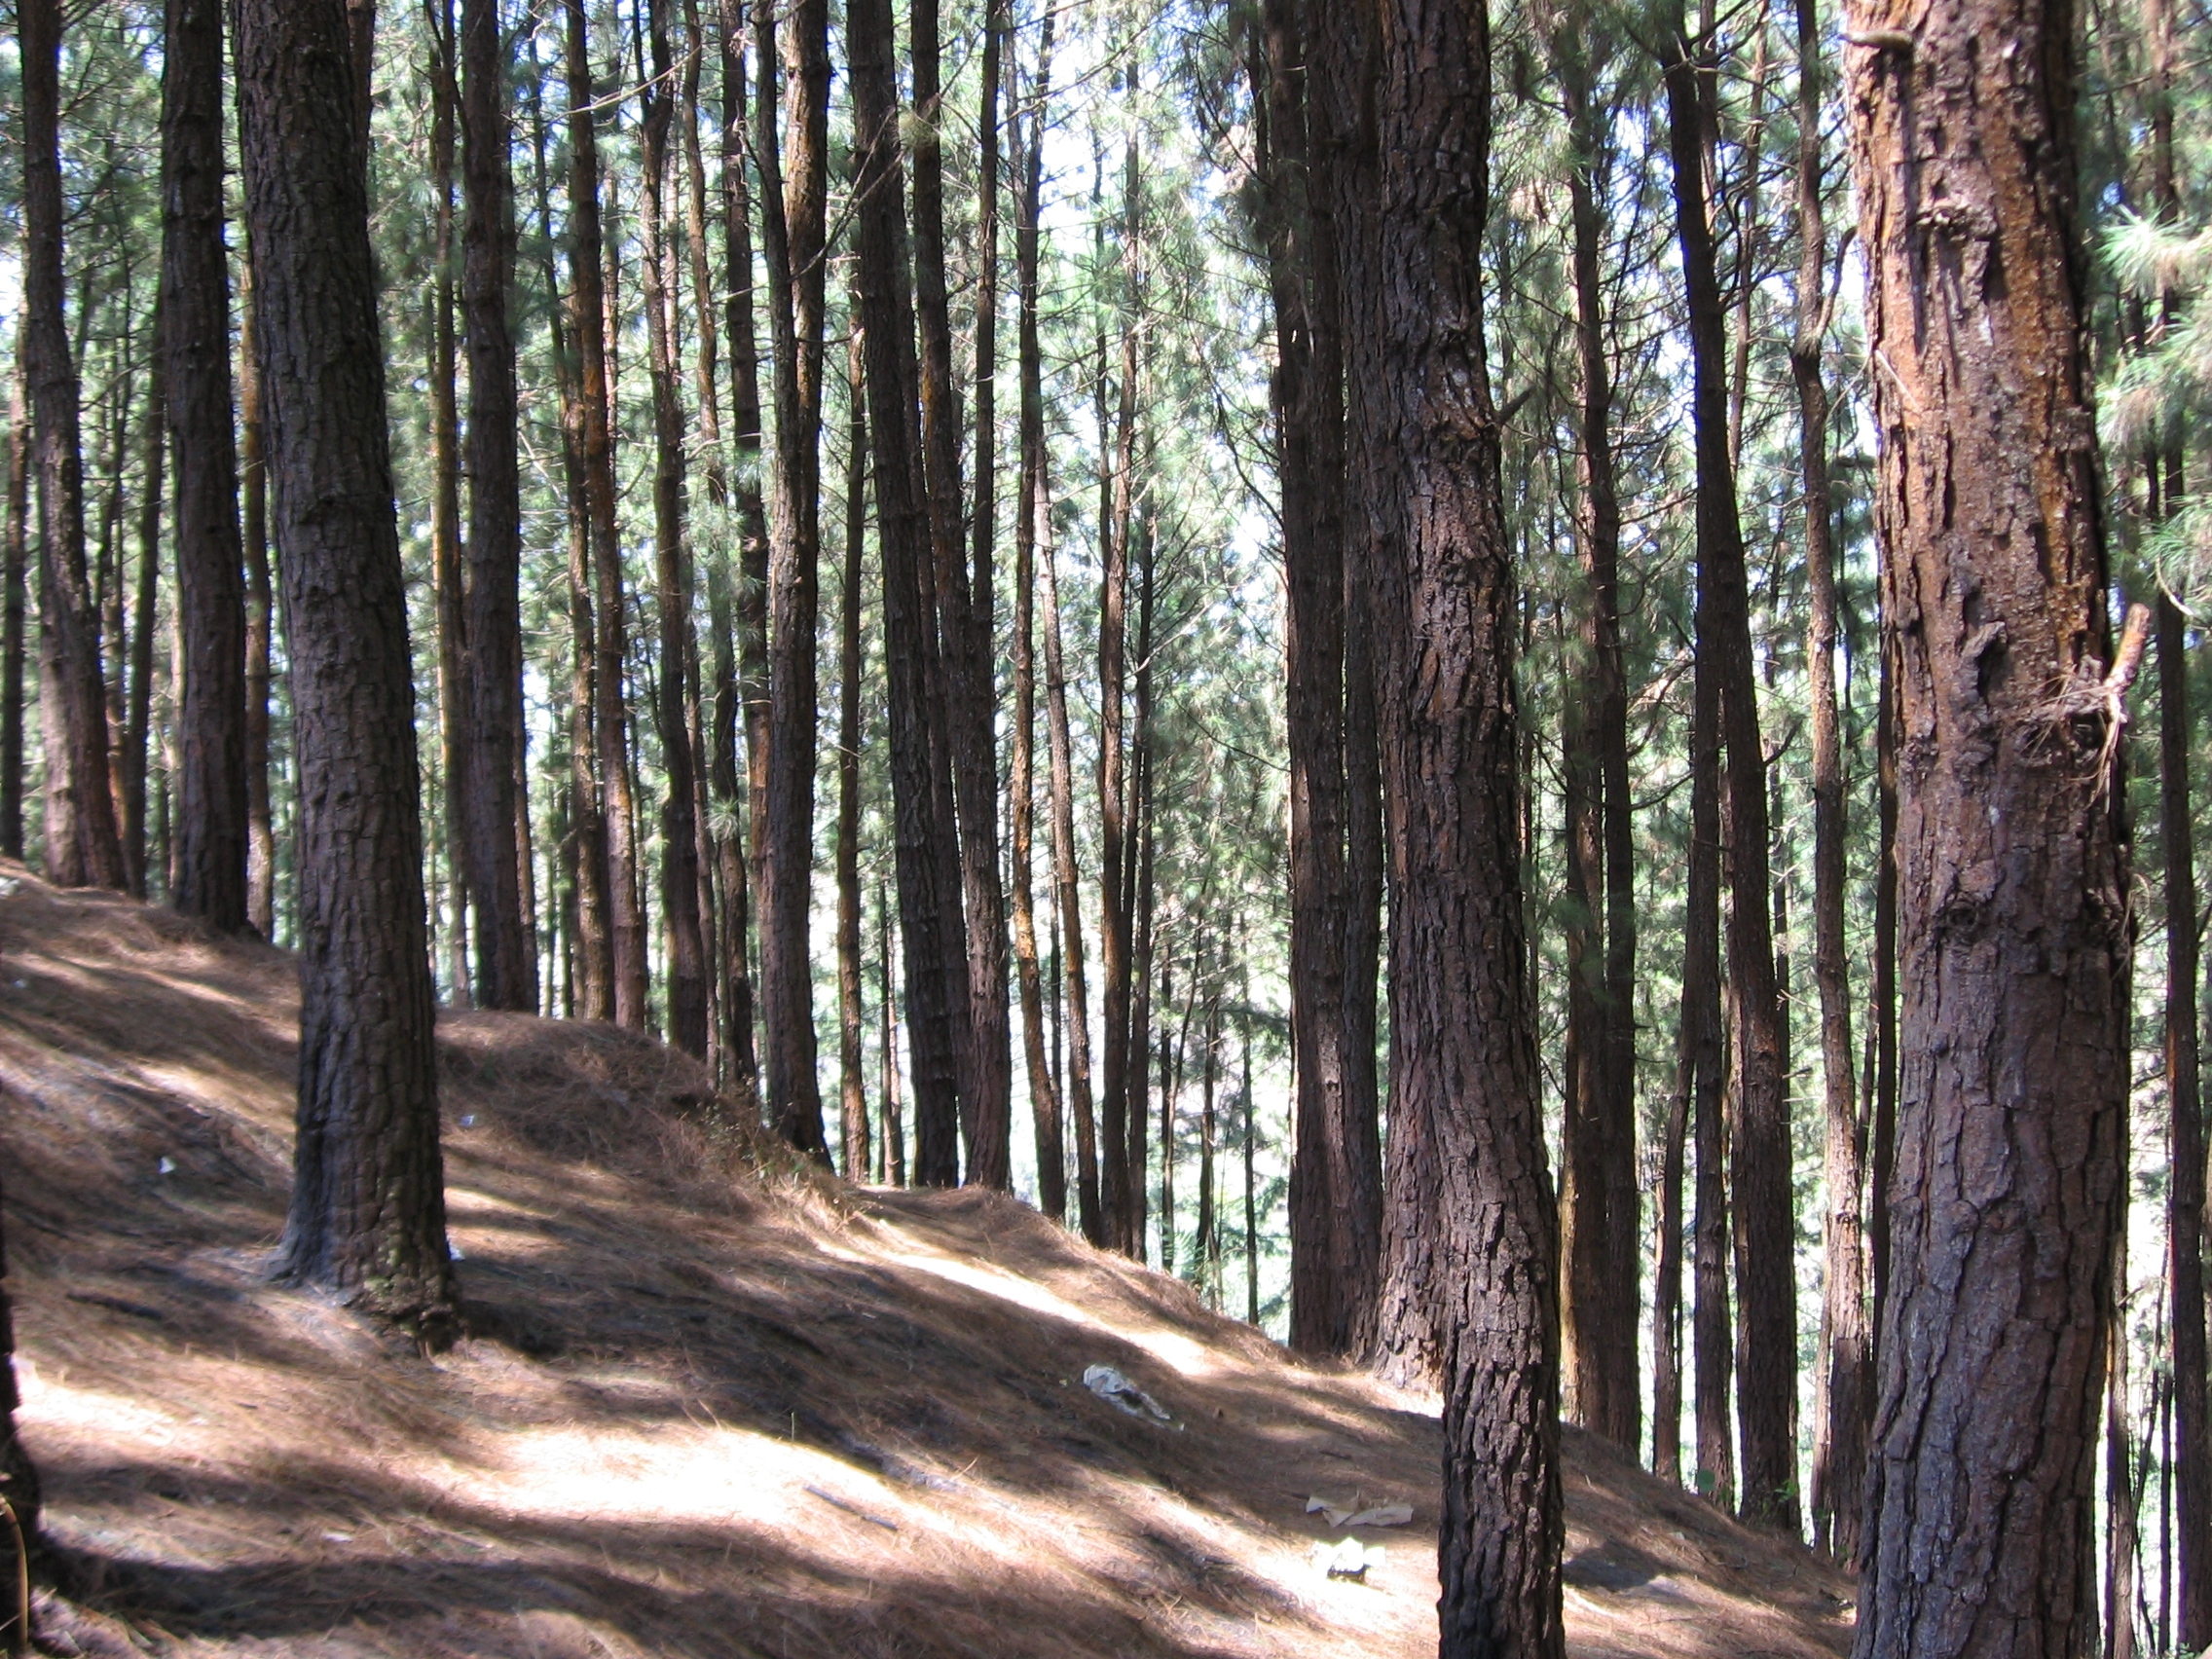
point(1032, 529)
point(689, 1002)
point(1604, 1208)
point(964, 597)
point(927, 912)
point(2122, 1540)
point(83, 847)
point(626, 922)
point(2191, 1477)
point(852, 1097)
point(1117, 1181)
point(209, 867)
point(1463, 1067)
point(140, 702)
point(506, 953)
point(740, 618)
point(1335, 1229)
point(449, 585)
point(1090, 1210)
point(367, 1217)
point(2011, 870)
point(15, 537)
point(1761, 1163)
point(894, 1122)
point(260, 617)
point(1140, 893)
point(793, 226)
point(1839, 1452)
point(1713, 1350)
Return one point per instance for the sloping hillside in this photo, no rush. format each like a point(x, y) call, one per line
point(708, 1411)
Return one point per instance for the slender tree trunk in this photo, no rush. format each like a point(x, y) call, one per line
point(210, 869)
point(688, 986)
point(2011, 870)
point(260, 619)
point(1464, 1068)
point(506, 953)
point(854, 1095)
point(740, 619)
point(1032, 529)
point(16, 539)
point(449, 585)
point(1140, 893)
point(1604, 1210)
point(1251, 1140)
point(626, 922)
point(1091, 1212)
point(894, 1122)
point(927, 910)
point(1761, 1163)
point(368, 1207)
point(1713, 1350)
point(1667, 1280)
point(2122, 1540)
point(139, 703)
point(2190, 1476)
point(793, 227)
point(1839, 1452)
point(82, 848)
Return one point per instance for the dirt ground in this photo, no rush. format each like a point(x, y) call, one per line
point(711, 1408)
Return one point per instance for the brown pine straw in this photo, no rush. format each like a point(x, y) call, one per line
point(705, 1386)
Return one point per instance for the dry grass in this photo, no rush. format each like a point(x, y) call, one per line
point(715, 1405)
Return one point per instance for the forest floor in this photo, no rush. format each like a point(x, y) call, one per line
point(713, 1406)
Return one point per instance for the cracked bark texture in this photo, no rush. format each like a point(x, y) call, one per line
point(210, 861)
point(367, 1215)
point(2011, 908)
point(1463, 1061)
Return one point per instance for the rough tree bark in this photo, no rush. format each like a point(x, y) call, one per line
point(610, 732)
point(83, 847)
point(1463, 1065)
point(367, 1217)
point(1032, 530)
point(2012, 918)
point(260, 619)
point(1839, 1450)
point(853, 1089)
point(927, 909)
point(794, 225)
point(506, 949)
point(1760, 1165)
point(689, 1003)
point(209, 863)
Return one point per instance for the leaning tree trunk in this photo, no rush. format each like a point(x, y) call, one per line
point(208, 866)
point(1761, 1162)
point(367, 1216)
point(1463, 1062)
point(83, 845)
point(2013, 925)
point(507, 952)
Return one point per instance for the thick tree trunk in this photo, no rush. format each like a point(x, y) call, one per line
point(1760, 1164)
point(208, 869)
point(793, 226)
point(367, 1217)
point(2011, 872)
point(928, 903)
point(1839, 1450)
point(853, 1093)
point(83, 845)
point(507, 950)
point(689, 1010)
point(1464, 1066)
point(1032, 530)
